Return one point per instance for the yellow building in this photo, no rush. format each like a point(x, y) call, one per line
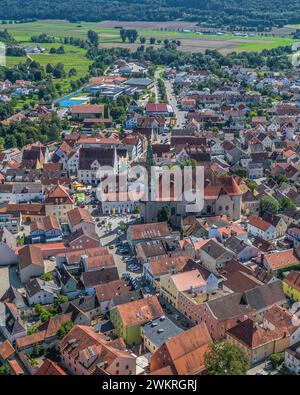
point(58, 202)
point(291, 285)
point(172, 285)
point(261, 339)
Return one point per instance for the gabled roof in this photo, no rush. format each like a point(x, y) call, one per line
point(293, 279)
point(259, 223)
point(187, 349)
point(79, 215)
point(281, 259)
point(149, 231)
point(6, 350)
point(50, 368)
point(189, 279)
point(30, 255)
point(83, 344)
point(140, 311)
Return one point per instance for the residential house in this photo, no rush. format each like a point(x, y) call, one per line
point(11, 324)
point(31, 263)
point(84, 352)
point(58, 202)
point(45, 230)
point(213, 255)
point(258, 227)
point(127, 318)
point(278, 223)
point(291, 285)
point(280, 260)
point(157, 267)
point(91, 159)
point(172, 284)
point(147, 232)
point(292, 358)
point(80, 218)
point(184, 353)
point(273, 334)
point(157, 332)
point(41, 292)
point(242, 250)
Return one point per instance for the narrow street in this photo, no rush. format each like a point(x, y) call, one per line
point(179, 114)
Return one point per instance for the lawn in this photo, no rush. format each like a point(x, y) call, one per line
point(23, 32)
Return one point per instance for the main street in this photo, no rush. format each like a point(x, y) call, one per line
point(172, 99)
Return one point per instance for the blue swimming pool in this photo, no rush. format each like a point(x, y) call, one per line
point(68, 101)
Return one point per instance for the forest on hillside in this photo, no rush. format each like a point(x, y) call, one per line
point(233, 13)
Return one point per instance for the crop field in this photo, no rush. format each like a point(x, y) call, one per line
point(186, 32)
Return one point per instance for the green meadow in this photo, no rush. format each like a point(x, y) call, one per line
point(23, 31)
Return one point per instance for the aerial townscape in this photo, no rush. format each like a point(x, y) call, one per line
point(106, 268)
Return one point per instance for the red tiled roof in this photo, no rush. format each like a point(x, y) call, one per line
point(50, 368)
point(6, 350)
point(259, 223)
point(87, 109)
point(281, 259)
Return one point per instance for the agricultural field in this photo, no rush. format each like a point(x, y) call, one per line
point(190, 39)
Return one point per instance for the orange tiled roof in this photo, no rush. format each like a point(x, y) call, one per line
point(6, 350)
point(187, 349)
point(281, 259)
point(140, 311)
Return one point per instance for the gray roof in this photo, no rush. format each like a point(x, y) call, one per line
point(129, 297)
point(161, 329)
point(235, 244)
point(36, 285)
point(214, 249)
point(257, 299)
point(139, 81)
point(265, 295)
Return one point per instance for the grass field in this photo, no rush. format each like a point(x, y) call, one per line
point(109, 36)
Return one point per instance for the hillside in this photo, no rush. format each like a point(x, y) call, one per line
point(244, 13)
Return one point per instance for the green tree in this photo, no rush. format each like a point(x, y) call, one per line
point(60, 300)
point(163, 214)
point(46, 276)
point(4, 370)
point(122, 226)
point(269, 203)
point(137, 210)
point(142, 40)
point(31, 329)
point(64, 329)
point(286, 203)
point(36, 352)
point(277, 359)
point(251, 185)
point(93, 38)
point(226, 359)
point(152, 40)
point(123, 35)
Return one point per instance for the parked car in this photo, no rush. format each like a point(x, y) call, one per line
point(111, 247)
